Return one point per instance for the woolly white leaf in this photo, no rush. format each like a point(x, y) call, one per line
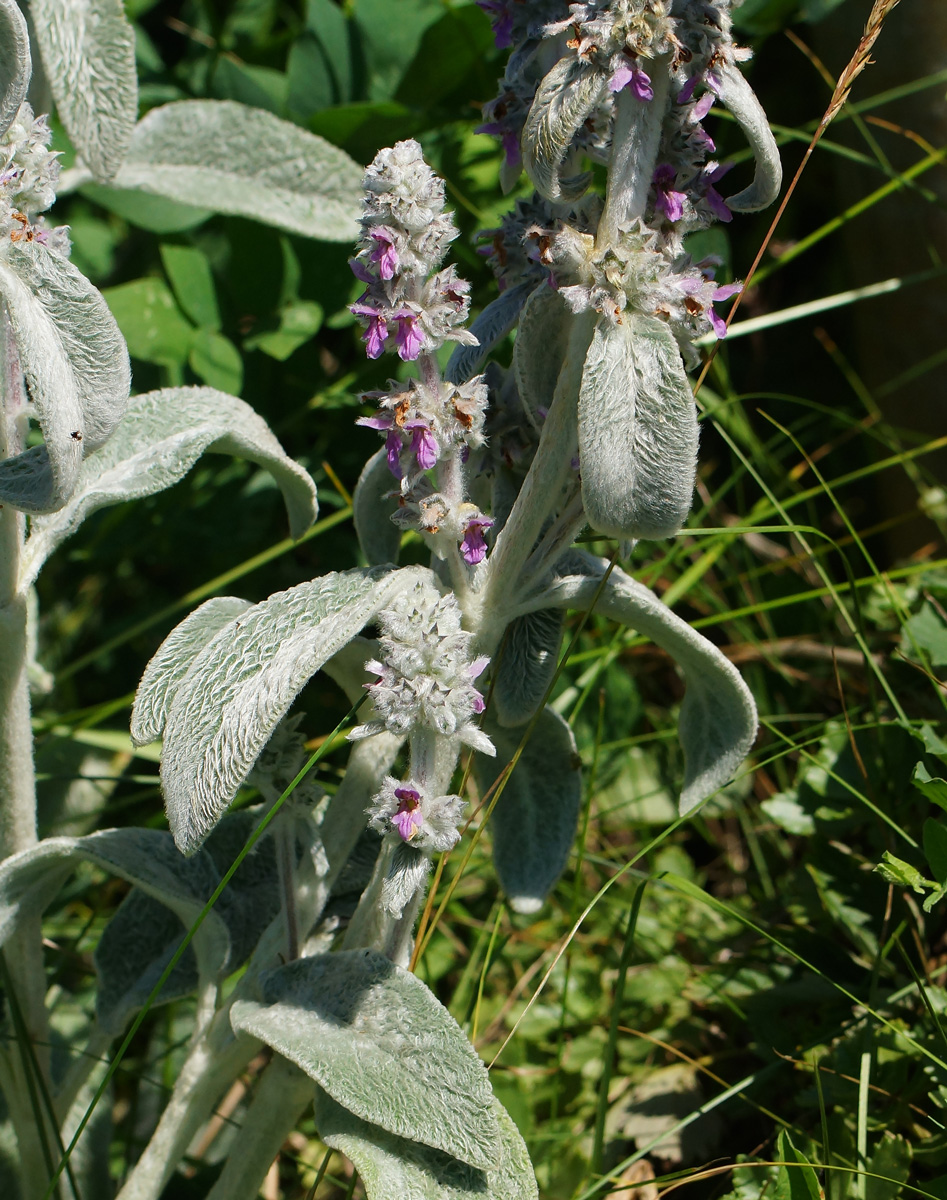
point(717, 723)
point(161, 438)
point(88, 50)
point(76, 366)
point(526, 666)
point(542, 338)
point(393, 1168)
point(372, 507)
point(636, 140)
point(243, 682)
point(489, 328)
point(637, 430)
point(230, 158)
point(146, 858)
point(375, 1038)
point(564, 100)
point(15, 65)
point(533, 824)
point(739, 97)
point(172, 661)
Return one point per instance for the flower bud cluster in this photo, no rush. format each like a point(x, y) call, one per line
point(408, 304)
point(29, 172)
point(620, 36)
point(639, 273)
point(425, 678)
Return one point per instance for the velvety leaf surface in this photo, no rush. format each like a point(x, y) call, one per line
point(163, 435)
point(637, 430)
point(533, 824)
point(489, 328)
point(739, 97)
point(527, 665)
point(378, 536)
point(14, 62)
point(224, 156)
point(541, 340)
point(243, 683)
point(394, 1168)
point(381, 1045)
point(563, 102)
point(76, 365)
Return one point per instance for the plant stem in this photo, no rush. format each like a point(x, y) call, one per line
point(284, 838)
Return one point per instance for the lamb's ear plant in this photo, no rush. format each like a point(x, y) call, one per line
point(498, 469)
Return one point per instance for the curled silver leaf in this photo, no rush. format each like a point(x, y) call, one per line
point(542, 339)
point(637, 430)
point(490, 328)
point(741, 100)
point(15, 65)
point(564, 100)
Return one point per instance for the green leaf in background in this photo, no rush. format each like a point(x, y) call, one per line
point(935, 849)
point(258, 87)
point(153, 326)
point(449, 49)
point(926, 631)
point(760, 17)
point(788, 814)
point(154, 213)
point(818, 10)
point(933, 788)
point(299, 322)
point(902, 874)
point(193, 283)
point(892, 1161)
point(319, 69)
point(795, 1183)
point(390, 46)
point(217, 361)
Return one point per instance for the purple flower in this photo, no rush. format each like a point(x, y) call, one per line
point(423, 443)
point(474, 547)
point(384, 253)
point(501, 21)
point(393, 448)
point(721, 293)
point(509, 138)
point(360, 271)
point(666, 199)
point(408, 819)
point(626, 74)
point(717, 203)
point(377, 331)
point(410, 338)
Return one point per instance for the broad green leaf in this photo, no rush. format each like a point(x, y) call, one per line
point(450, 49)
point(390, 46)
point(76, 365)
point(797, 1182)
point(242, 684)
point(375, 1038)
point(193, 283)
point(490, 328)
point(394, 1168)
point(173, 660)
point(15, 65)
point(717, 723)
point(300, 320)
point(147, 858)
point(785, 809)
point(154, 327)
point(935, 849)
point(319, 67)
point(734, 91)
point(88, 50)
point(891, 1160)
point(525, 668)
point(154, 213)
point(902, 874)
point(637, 430)
point(163, 435)
point(539, 352)
point(533, 824)
point(564, 101)
point(372, 507)
point(934, 788)
point(217, 361)
point(257, 87)
point(243, 161)
point(926, 631)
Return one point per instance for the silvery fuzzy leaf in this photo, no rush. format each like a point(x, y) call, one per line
point(563, 102)
point(172, 661)
point(636, 141)
point(526, 666)
point(542, 338)
point(133, 951)
point(739, 97)
point(88, 50)
point(162, 436)
point(490, 328)
point(230, 158)
point(372, 507)
point(15, 65)
point(375, 1038)
point(394, 1168)
point(407, 875)
point(243, 682)
point(147, 858)
point(76, 366)
point(637, 430)
point(533, 824)
point(717, 723)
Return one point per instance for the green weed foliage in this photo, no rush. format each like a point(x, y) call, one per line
point(749, 1003)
